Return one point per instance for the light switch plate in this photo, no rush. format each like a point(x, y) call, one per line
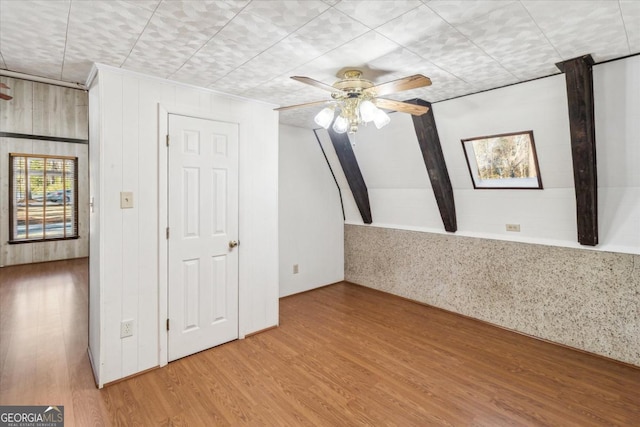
point(126, 200)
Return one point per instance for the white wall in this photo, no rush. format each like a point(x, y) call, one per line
point(126, 268)
point(401, 195)
point(617, 112)
point(310, 222)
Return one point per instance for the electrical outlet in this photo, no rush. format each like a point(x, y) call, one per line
point(295, 269)
point(126, 328)
point(513, 227)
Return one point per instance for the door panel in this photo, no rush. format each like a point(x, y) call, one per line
point(203, 218)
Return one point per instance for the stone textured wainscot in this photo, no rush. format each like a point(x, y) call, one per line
point(581, 298)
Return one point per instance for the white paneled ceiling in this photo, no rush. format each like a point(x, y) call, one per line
point(250, 48)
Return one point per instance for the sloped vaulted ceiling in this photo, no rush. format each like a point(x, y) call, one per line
point(250, 48)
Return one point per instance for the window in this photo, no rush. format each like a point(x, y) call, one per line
point(503, 161)
point(43, 197)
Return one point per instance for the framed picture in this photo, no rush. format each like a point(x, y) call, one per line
point(506, 161)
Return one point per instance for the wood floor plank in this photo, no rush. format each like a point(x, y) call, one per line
point(343, 355)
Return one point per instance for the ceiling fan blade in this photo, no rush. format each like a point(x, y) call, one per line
point(315, 83)
point(410, 82)
point(308, 104)
point(5, 97)
point(4, 86)
point(403, 107)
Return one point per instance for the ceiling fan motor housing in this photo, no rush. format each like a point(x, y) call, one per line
point(353, 82)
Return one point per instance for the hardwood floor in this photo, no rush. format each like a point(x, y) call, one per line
point(343, 355)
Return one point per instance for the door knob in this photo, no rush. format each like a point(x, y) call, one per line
point(233, 243)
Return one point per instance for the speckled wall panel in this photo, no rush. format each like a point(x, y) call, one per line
point(581, 298)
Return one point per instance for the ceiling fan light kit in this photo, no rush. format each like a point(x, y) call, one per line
point(367, 110)
point(353, 113)
point(356, 102)
point(341, 124)
point(325, 117)
point(381, 119)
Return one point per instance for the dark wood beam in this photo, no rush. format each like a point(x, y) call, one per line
point(427, 133)
point(349, 164)
point(579, 78)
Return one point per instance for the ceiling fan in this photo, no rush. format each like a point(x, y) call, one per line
point(4, 95)
point(356, 101)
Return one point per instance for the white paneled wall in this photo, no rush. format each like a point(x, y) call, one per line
point(617, 109)
point(311, 222)
point(401, 195)
point(124, 262)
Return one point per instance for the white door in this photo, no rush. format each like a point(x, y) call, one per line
point(203, 226)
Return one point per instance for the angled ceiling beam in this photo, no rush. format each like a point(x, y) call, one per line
point(579, 78)
point(349, 164)
point(427, 133)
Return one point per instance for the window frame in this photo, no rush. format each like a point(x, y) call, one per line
point(75, 197)
point(479, 184)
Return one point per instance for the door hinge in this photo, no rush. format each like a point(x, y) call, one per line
point(167, 140)
point(167, 324)
point(167, 232)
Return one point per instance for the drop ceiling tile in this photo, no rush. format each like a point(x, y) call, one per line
point(356, 53)
point(396, 60)
point(631, 17)
point(245, 37)
point(32, 36)
point(236, 85)
point(322, 34)
point(577, 28)
point(202, 13)
point(278, 88)
point(375, 13)
point(329, 31)
point(215, 60)
point(303, 96)
point(436, 92)
point(459, 11)
point(455, 54)
point(412, 26)
point(301, 118)
point(268, 65)
point(150, 5)
point(176, 32)
point(288, 15)
point(101, 32)
point(402, 62)
point(164, 46)
point(199, 74)
point(511, 37)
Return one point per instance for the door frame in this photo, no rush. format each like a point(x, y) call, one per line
point(163, 200)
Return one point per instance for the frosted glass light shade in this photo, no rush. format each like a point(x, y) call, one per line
point(341, 124)
point(324, 117)
point(381, 119)
point(367, 111)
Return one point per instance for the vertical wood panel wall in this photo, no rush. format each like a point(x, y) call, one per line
point(47, 110)
point(126, 258)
